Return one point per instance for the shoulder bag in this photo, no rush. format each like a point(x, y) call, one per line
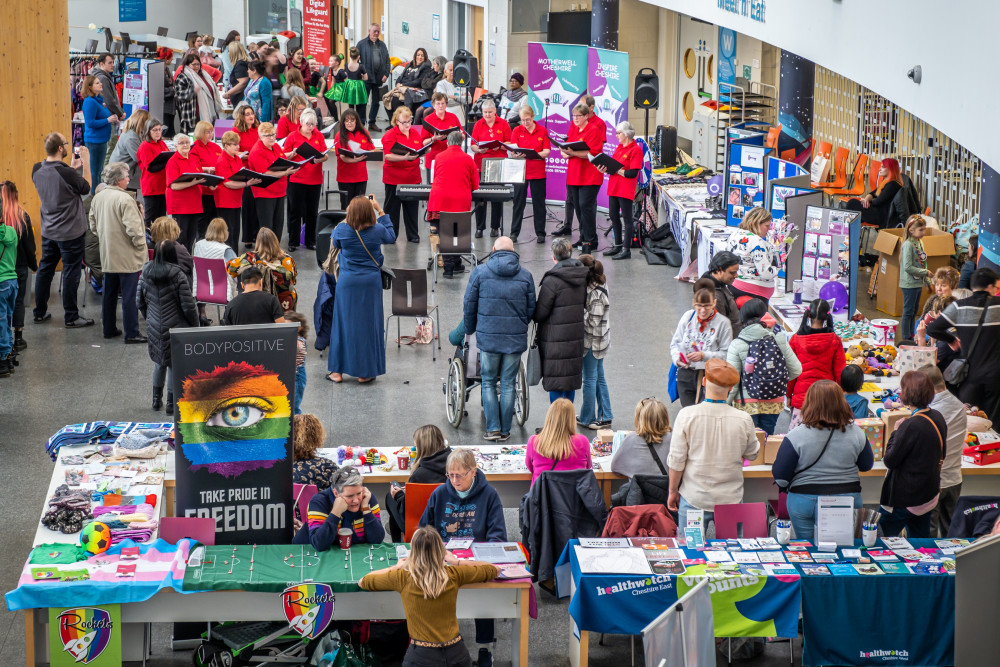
point(387, 274)
point(332, 263)
point(656, 457)
point(958, 369)
point(940, 439)
point(533, 369)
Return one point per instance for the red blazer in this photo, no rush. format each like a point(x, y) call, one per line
point(261, 159)
point(536, 141)
point(402, 173)
point(356, 172)
point(455, 177)
point(151, 183)
point(483, 132)
point(248, 140)
point(822, 357)
point(631, 157)
point(312, 173)
point(208, 154)
point(438, 147)
point(225, 197)
point(579, 170)
point(187, 200)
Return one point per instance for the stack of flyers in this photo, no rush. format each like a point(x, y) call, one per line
point(947, 564)
point(911, 555)
point(694, 538)
point(779, 569)
point(771, 557)
point(718, 556)
point(851, 553)
point(746, 557)
point(753, 570)
point(693, 561)
point(718, 545)
point(768, 543)
point(840, 570)
point(823, 556)
point(868, 568)
point(653, 542)
point(895, 543)
point(814, 569)
point(798, 557)
point(750, 544)
point(883, 556)
point(934, 554)
point(949, 547)
point(896, 568)
point(724, 568)
point(667, 567)
point(663, 554)
point(928, 567)
point(799, 545)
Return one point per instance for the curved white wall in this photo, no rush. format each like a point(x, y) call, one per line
point(876, 42)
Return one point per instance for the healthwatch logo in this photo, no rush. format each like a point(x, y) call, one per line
point(85, 632)
point(308, 608)
point(887, 655)
point(634, 585)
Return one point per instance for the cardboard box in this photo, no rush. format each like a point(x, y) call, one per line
point(874, 430)
point(983, 454)
point(759, 459)
point(890, 418)
point(938, 245)
point(771, 445)
point(606, 435)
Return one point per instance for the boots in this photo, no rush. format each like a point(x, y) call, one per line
point(170, 405)
point(19, 343)
point(157, 398)
point(5, 369)
point(12, 360)
point(613, 250)
point(626, 253)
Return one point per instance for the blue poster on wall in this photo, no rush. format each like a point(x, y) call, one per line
point(131, 10)
point(745, 177)
point(727, 56)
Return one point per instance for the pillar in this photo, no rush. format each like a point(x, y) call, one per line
point(796, 102)
point(989, 219)
point(37, 104)
point(604, 25)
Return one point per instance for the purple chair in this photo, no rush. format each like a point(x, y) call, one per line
point(729, 518)
point(211, 282)
point(222, 126)
point(173, 528)
point(303, 494)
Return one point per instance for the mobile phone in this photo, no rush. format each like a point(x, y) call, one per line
point(371, 197)
point(76, 151)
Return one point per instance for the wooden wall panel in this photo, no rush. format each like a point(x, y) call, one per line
point(35, 89)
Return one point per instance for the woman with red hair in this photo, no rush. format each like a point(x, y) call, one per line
point(874, 207)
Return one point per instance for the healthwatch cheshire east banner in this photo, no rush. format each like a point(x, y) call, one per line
point(743, 605)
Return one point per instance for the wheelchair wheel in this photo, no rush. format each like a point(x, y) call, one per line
point(454, 393)
point(521, 396)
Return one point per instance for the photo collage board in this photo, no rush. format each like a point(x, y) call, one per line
point(744, 177)
point(828, 237)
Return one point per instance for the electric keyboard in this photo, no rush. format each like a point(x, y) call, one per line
point(487, 193)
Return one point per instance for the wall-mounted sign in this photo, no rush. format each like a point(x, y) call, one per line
point(751, 9)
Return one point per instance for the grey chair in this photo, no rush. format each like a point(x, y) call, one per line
point(409, 299)
point(455, 238)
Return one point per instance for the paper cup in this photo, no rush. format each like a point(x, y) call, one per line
point(403, 461)
point(345, 535)
point(884, 331)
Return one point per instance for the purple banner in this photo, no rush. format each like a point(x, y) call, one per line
point(607, 81)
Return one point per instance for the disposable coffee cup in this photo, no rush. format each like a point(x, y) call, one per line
point(868, 536)
point(345, 535)
point(403, 461)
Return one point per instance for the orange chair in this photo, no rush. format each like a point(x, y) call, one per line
point(873, 170)
point(838, 171)
point(857, 180)
point(417, 496)
point(772, 137)
point(822, 150)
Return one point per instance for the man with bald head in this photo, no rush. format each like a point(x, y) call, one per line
point(499, 303)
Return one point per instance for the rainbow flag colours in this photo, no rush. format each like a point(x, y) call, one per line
point(85, 636)
point(234, 418)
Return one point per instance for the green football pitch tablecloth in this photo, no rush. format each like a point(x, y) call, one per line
point(271, 568)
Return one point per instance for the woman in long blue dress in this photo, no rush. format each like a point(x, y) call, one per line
point(357, 338)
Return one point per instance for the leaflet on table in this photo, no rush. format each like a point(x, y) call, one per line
point(768, 543)
point(779, 569)
point(753, 569)
point(896, 568)
point(654, 542)
point(748, 544)
point(951, 546)
point(663, 554)
point(867, 568)
point(605, 542)
point(612, 561)
point(895, 543)
point(746, 557)
point(835, 520)
point(667, 566)
point(770, 557)
point(912, 555)
point(718, 556)
point(798, 557)
point(694, 538)
point(459, 543)
point(814, 569)
point(882, 555)
point(851, 553)
point(498, 552)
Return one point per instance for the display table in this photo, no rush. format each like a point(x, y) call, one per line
point(681, 206)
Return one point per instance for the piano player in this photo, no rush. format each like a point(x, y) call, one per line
point(455, 177)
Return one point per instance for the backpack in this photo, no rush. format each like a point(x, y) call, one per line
point(769, 379)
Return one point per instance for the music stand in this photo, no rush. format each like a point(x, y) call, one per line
point(497, 170)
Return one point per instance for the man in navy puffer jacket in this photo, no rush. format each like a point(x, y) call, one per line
point(499, 303)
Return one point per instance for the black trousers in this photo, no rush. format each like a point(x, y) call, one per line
point(396, 507)
point(249, 215)
point(410, 211)
point(873, 214)
point(303, 207)
point(537, 186)
point(620, 208)
point(496, 215)
point(584, 201)
point(207, 214)
point(456, 655)
point(188, 222)
point(155, 206)
point(353, 190)
point(374, 99)
point(270, 214)
point(568, 215)
point(23, 273)
point(70, 253)
point(689, 386)
point(232, 218)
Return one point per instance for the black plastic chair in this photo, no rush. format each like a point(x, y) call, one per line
point(325, 222)
point(161, 31)
point(409, 299)
point(455, 238)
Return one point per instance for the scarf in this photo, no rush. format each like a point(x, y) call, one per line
point(206, 95)
point(704, 323)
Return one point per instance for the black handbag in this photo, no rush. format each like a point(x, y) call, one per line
point(958, 369)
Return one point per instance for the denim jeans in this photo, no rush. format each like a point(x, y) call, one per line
point(802, 512)
point(765, 422)
point(8, 295)
point(569, 395)
point(494, 366)
point(71, 254)
point(682, 510)
point(300, 387)
point(917, 527)
point(128, 283)
point(594, 389)
point(911, 304)
point(97, 154)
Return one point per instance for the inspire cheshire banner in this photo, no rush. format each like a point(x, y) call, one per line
point(608, 82)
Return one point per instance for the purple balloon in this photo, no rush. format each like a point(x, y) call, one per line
point(715, 185)
point(836, 293)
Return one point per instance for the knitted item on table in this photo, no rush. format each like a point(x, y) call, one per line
point(113, 499)
point(120, 512)
point(67, 510)
point(100, 432)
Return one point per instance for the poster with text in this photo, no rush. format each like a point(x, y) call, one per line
point(234, 388)
point(85, 636)
point(607, 81)
point(135, 85)
point(557, 79)
point(316, 29)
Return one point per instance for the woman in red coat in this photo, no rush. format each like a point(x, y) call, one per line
point(289, 123)
point(207, 151)
point(489, 128)
point(440, 119)
point(402, 170)
point(153, 184)
point(229, 195)
point(583, 180)
point(184, 199)
point(352, 172)
point(530, 134)
point(270, 199)
point(621, 190)
point(820, 351)
point(245, 124)
point(304, 185)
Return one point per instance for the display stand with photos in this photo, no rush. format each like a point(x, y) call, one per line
point(830, 240)
point(783, 180)
point(795, 214)
point(744, 177)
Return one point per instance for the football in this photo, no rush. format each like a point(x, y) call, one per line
point(96, 537)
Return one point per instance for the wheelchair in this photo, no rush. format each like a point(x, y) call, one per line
point(464, 376)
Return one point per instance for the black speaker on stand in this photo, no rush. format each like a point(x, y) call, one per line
point(646, 96)
point(466, 69)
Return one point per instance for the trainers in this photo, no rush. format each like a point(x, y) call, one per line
point(492, 436)
point(485, 658)
point(593, 426)
point(79, 323)
point(601, 423)
point(504, 437)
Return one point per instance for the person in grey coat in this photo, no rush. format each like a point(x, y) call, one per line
point(559, 312)
point(165, 300)
point(375, 60)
